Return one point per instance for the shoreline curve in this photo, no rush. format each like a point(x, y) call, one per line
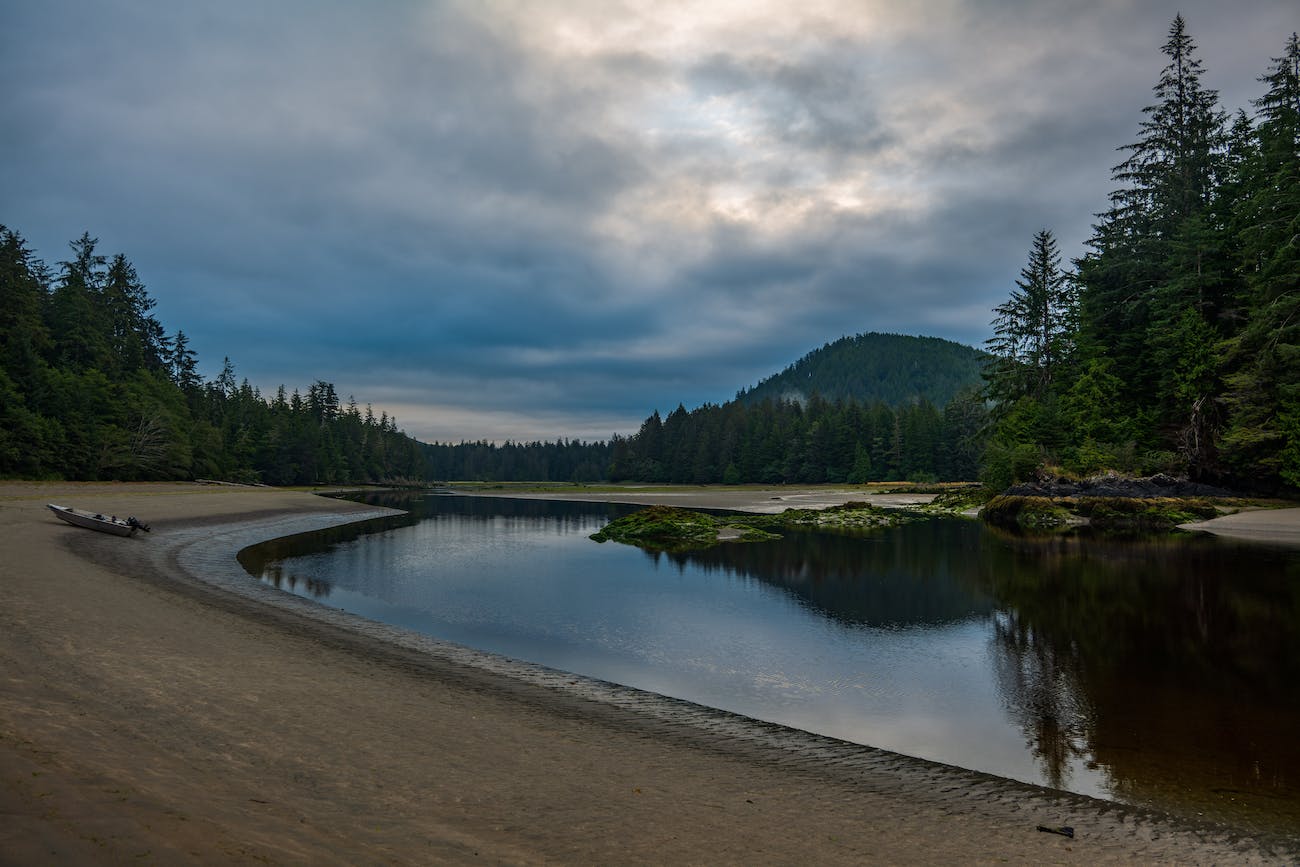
point(714, 786)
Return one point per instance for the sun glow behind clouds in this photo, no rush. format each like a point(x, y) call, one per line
point(730, 136)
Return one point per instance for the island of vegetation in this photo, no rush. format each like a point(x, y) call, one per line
point(674, 530)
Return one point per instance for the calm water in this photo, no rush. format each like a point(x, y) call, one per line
point(1159, 672)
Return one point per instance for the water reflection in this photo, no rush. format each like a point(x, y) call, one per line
point(1156, 671)
point(915, 575)
point(1171, 663)
point(278, 562)
point(1044, 697)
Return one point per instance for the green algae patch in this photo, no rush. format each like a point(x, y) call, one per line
point(664, 528)
point(849, 517)
point(958, 502)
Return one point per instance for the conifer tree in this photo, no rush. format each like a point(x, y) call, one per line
point(80, 334)
point(1034, 330)
point(184, 365)
point(1160, 251)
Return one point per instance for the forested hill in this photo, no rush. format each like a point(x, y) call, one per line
point(893, 369)
point(874, 406)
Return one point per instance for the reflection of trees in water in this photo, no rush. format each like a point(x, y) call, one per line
point(1171, 661)
point(277, 576)
point(907, 576)
point(1043, 695)
point(1194, 612)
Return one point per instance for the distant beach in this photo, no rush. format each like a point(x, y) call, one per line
point(152, 711)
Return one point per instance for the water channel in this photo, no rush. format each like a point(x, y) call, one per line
point(1158, 671)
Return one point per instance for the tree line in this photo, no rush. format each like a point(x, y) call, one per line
point(92, 387)
point(483, 461)
point(1173, 344)
point(810, 441)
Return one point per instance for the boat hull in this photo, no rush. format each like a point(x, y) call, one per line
point(93, 521)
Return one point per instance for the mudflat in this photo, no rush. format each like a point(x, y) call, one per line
point(150, 715)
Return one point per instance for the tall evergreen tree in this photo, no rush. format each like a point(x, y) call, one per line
point(80, 333)
point(1034, 330)
point(183, 363)
point(1160, 251)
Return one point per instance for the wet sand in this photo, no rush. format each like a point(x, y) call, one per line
point(1273, 526)
point(156, 707)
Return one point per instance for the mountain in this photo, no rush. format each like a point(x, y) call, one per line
point(892, 368)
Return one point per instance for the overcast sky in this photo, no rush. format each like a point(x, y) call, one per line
point(535, 219)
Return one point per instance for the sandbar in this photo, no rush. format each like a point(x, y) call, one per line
point(154, 710)
point(763, 501)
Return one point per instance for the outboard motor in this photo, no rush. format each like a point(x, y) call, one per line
point(138, 524)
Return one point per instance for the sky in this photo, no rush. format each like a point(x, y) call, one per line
point(533, 219)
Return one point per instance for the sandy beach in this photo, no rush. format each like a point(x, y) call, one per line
point(157, 707)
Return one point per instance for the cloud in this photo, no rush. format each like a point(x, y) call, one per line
point(508, 218)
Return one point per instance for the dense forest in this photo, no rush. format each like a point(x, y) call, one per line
point(806, 442)
point(1173, 344)
point(92, 387)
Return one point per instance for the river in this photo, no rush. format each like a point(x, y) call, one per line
point(1156, 671)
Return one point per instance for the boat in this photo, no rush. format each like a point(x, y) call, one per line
point(96, 521)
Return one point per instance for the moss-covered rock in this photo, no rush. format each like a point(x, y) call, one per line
point(664, 528)
point(959, 501)
point(1127, 514)
point(1147, 513)
point(1041, 514)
